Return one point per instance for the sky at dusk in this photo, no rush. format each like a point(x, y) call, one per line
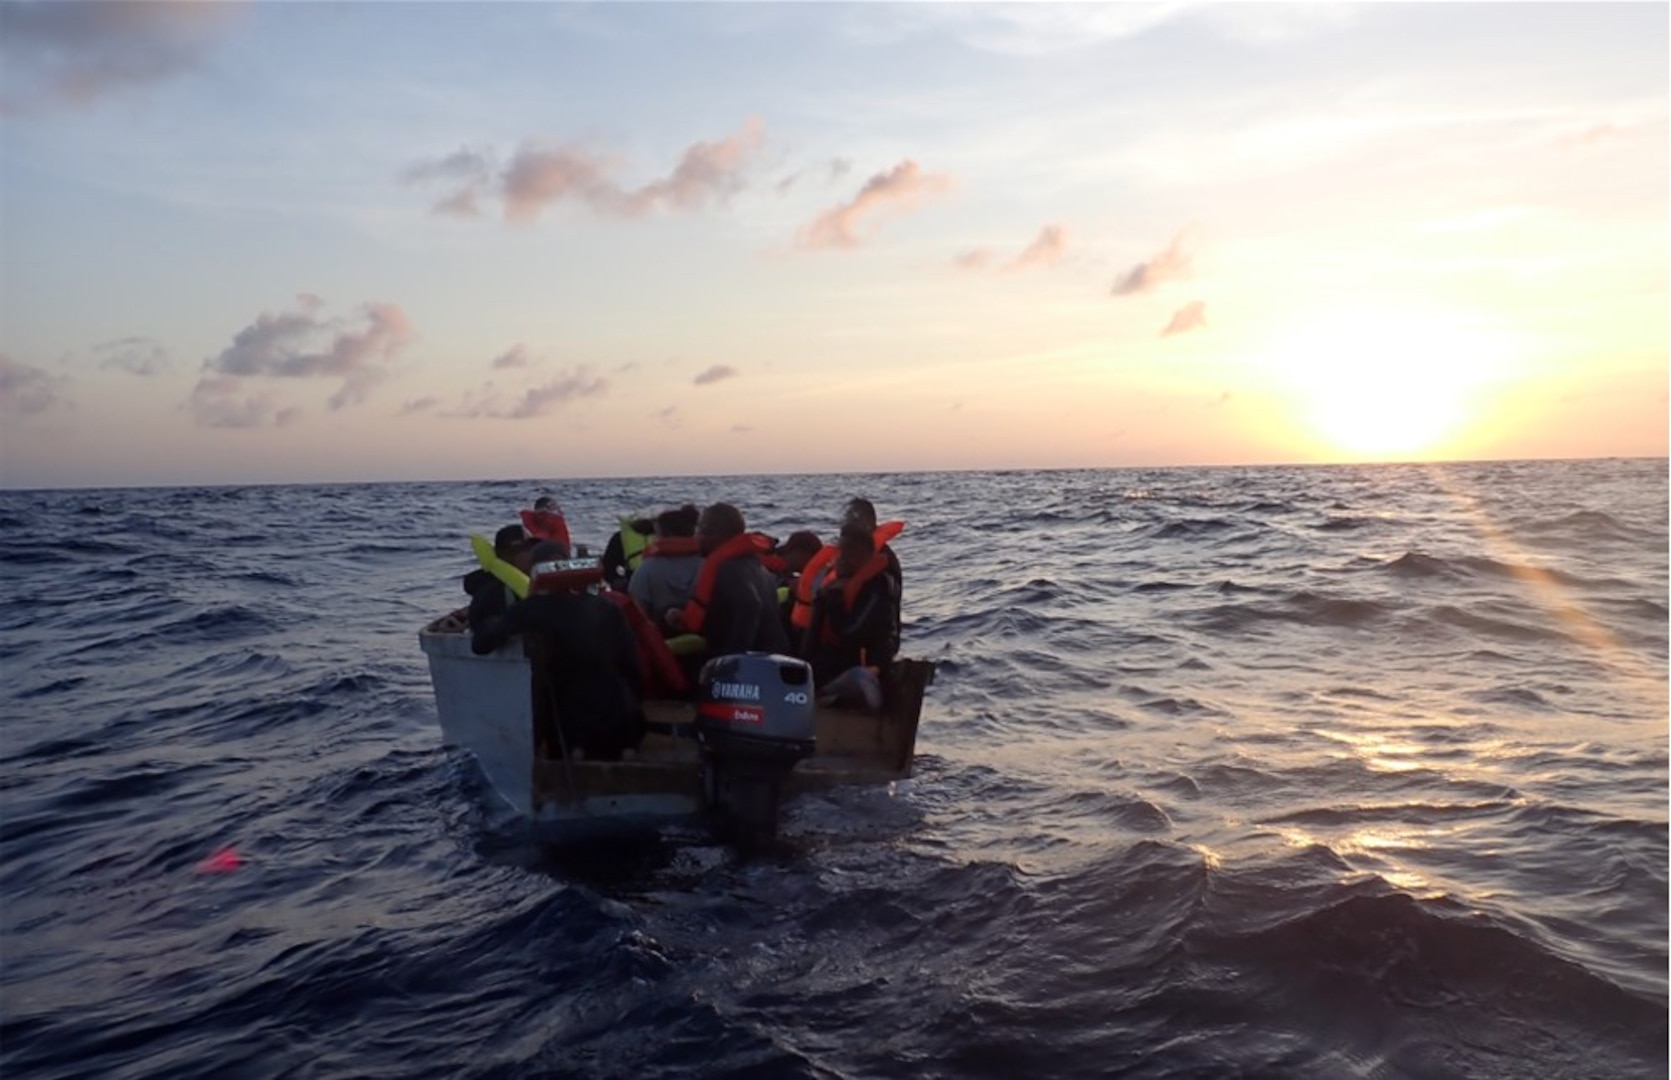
point(300, 242)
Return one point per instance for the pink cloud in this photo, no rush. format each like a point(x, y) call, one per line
point(716, 373)
point(1047, 250)
point(1169, 265)
point(711, 171)
point(1192, 316)
point(973, 259)
point(898, 189)
point(539, 177)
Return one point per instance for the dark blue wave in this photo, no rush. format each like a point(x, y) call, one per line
point(1309, 772)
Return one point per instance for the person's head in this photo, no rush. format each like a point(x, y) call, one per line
point(719, 523)
point(859, 512)
point(546, 502)
point(796, 550)
point(680, 522)
point(854, 549)
point(546, 551)
point(509, 540)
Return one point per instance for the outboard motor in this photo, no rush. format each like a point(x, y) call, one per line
point(756, 721)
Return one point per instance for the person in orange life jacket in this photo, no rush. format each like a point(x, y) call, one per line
point(862, 513)
point(734, 601)
point(664, 579)
point(786, 561)
point(587, 660)
point(546, 522)
point(851, 638)
point(488, 595)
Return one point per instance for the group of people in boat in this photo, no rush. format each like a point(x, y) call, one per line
point(680, 587)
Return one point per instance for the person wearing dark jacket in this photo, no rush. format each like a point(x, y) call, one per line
point(586, 669)
point(488, 595)
point(852, 617)
point(734, 601)
point(862, 512)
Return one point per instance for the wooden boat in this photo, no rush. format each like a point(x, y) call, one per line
point(487, 705)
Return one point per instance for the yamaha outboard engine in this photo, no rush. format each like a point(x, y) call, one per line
point(756, 721)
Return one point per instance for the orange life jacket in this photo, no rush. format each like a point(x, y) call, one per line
point(850, 590)
point(822, 566)
point(663, 677)
point(546, 525)
point(673, 545)
point(702, 593)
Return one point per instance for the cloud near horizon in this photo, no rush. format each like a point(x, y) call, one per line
point(26, 390)
point(1192, 316)
point(77, 53)
point(539, 177)
point(220, 401)
point(571, 385)
point(1169, 265)
point(714, 374)
point(283, 346)
point(898, 189)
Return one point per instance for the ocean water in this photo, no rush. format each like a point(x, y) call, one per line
point(1277, 772)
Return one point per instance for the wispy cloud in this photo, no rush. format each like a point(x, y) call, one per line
point(714, 374)
point(1192, 316)
point(1169, 265)
point(830, 171)
point(418, 405)
point(899, 188)
point(540, 176)
point(1046, 250)
point(670, 417)
point(536, 401)
point(26, 390)
point(134, 355)
point(299, 345)
point(517, 356)
point(77, 53)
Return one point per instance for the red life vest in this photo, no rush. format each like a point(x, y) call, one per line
point(702, 593)
point(546, 525)
point(663, 677)
point(822, 566)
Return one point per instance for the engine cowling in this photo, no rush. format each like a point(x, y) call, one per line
point(756, 720)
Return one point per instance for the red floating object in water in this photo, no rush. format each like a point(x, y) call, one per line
point(223, 861)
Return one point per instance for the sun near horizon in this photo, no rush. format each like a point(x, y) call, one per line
point(632, 240)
